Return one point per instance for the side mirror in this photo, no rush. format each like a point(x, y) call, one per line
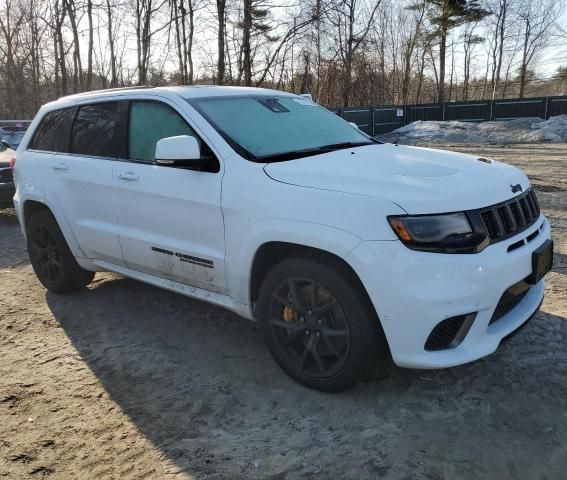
point(352, 124)
point(180, 151)
point(5, 144)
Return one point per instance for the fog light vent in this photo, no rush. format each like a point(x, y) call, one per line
point(450, 332)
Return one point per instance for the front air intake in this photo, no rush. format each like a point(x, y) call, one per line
point(450, 332)
point(510, 300)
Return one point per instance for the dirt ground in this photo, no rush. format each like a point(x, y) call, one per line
point(124, 380)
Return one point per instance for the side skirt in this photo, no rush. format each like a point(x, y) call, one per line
point(218, 299)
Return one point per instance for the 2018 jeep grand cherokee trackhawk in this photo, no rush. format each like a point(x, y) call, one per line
point(267, 204)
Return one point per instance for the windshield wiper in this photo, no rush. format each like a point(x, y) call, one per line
point(291, 155)
point(338, 146)
point(309, 152)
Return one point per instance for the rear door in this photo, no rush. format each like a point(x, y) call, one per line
point(170, 218)
point(81, 176)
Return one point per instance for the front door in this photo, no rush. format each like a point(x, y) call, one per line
point(170, 219)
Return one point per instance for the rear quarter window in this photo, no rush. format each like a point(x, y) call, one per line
point(98, 130)
point(52, 133)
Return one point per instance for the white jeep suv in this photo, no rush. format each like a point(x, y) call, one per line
point(344, 248)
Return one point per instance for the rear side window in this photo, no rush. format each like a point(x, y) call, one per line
point(150, 122)
point(52, 134)
point(97, 130)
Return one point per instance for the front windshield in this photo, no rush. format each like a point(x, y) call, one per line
point(278, 128)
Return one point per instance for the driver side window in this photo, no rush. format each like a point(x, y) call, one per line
point(150, 122)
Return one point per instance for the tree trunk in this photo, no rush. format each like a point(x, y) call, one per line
point(221, 14)
point(442, 61)
point(189, 70)
point(89, 80)
point(78, 83)
point(247, 54)
point(524, 66)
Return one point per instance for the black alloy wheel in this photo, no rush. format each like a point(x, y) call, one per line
point(319, 323)
point(44, 253)
point(310, 327)
point(50, 256)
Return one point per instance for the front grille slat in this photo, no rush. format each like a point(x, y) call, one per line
point(532, 200)
point(491, 224)
point(526, 210)
point(521, 217)
point(536, 203)
point(506, 219)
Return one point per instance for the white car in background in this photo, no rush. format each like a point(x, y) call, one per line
point(263, 202)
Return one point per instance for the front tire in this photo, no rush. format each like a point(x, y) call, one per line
point(51, 259)
point(319, 325)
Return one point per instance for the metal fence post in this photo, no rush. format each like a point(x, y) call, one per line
point(546, 114)
point(373, 121)
point(491, 111)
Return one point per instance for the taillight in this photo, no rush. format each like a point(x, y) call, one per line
point(12, 164)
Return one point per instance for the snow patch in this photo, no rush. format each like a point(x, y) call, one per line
point(519, 130)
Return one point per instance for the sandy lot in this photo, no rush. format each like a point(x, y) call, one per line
point(126, 381)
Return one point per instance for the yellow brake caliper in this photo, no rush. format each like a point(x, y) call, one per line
point(289, 314)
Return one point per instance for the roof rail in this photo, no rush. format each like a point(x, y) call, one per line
point(118, 89)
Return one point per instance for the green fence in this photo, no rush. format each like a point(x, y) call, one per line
point(386, 118)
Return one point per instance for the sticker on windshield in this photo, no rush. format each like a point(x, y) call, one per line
point(304, 101)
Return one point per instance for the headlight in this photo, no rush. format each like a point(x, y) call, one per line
point(445, 233)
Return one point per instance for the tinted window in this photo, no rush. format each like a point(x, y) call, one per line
point(150, 122)
point(97, 131)
point(52, 134)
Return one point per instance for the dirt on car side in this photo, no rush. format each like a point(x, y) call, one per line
point(123, 380)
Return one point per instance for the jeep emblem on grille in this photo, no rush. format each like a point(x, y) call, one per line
point(516, 188)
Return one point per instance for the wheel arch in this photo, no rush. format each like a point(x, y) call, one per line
point(31, 206)
point(271, 253)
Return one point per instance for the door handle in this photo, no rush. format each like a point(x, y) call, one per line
point(130, 176)
point(60, 166)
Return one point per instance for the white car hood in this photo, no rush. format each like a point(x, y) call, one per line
point(419, 180)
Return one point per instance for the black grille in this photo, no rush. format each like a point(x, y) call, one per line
point(6, 175)
point(490, 223)
point(506, 219)
point(510, 299)
point(509, 218)
point(449, 333)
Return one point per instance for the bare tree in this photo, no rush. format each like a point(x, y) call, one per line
point(146, 11)
point(352, 21)
point(470, 41)
point(539, 25)
point(346, 52)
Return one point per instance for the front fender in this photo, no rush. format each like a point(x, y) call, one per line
point(323, 237)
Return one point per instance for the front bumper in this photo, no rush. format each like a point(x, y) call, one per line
point(414, 291)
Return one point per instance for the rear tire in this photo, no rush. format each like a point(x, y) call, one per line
point(51, 259)
point(319, 326)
